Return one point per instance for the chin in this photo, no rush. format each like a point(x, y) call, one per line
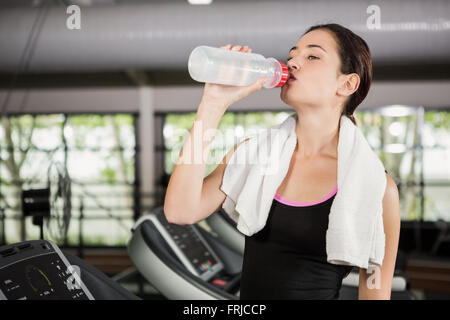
point(287, 95)
point(295, 101)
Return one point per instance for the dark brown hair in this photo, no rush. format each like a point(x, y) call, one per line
point(355, 58)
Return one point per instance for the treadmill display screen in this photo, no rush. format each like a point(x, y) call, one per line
point(191, 245)
point(39, 277)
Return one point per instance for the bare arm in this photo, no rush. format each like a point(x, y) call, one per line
point(189, 197)
point(212, 197)
point(184, 191)
point(377, 284)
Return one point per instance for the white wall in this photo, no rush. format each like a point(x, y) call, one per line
point(429, 93)
point(186, 98)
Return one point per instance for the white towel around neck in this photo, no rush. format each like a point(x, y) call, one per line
point(355, 234)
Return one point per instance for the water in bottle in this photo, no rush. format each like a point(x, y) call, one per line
point(222, 66)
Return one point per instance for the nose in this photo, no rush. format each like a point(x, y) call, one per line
point(291, 65)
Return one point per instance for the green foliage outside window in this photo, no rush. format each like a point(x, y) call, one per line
point(99, 152)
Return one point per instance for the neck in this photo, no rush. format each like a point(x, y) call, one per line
point(317, 134)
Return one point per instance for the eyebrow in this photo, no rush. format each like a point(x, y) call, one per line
point(308, 46)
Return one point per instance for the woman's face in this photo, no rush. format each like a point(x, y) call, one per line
point(315, 64)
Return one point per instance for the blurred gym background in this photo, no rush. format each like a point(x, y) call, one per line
point(102, 109)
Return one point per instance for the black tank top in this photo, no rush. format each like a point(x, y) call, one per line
point(287, 258)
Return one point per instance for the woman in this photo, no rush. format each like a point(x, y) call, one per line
point(331, 72)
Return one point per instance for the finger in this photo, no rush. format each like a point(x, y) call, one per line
point(236, 48)
point(257, 85)
point(262, 81)
point(252, 88)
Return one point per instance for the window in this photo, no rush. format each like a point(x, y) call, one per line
point(393, 132)
point(232, 129)
point(414, 146)
point(99, 153)
point(436, 143)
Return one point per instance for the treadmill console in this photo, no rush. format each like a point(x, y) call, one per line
point(188, 245)
point(38, 270)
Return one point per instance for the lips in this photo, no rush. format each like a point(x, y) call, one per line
point(292, 78)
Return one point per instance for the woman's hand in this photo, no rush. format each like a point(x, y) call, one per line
point(224, 95)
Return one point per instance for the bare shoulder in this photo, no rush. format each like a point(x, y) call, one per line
point(392, 225)
point(391, 193)
point(391, 206)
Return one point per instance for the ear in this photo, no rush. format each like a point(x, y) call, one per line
point(348, 83)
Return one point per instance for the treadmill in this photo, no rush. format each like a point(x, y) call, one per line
point(39, 270)
point(226, 229)
point(184, 261)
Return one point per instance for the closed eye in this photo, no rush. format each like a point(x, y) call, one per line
point(314, 58)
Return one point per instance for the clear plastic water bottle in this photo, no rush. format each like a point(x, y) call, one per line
point(222, 66)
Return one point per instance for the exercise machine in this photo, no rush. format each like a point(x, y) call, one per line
point(39, 270)
point(184, 261)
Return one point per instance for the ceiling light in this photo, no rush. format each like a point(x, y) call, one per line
point(198, 2)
